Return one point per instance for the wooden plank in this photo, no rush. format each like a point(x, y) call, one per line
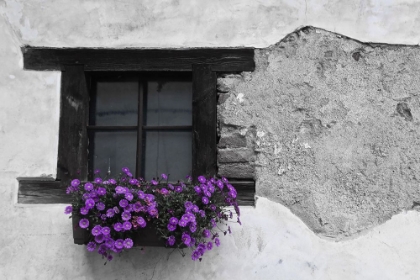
point(204, 121)
point(220, 59)
point(73, 138)
point(245, 190)
point(40, 191)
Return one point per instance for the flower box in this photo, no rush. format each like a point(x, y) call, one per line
point(113, 215)
point(143, 237)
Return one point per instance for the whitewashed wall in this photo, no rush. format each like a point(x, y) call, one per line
point(36, 241)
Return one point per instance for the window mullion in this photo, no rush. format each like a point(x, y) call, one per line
point(139, 156)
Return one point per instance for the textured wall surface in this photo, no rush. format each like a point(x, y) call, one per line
point(273, 243)
point(337, 123)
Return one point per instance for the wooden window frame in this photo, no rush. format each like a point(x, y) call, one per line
point(74, 108)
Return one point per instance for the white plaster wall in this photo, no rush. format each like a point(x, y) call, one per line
point(36, 241)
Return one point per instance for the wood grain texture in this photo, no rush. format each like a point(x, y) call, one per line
point(245, 190)
point(73, 139)
point(220, 59)
point(41, 190)
point(204, 121)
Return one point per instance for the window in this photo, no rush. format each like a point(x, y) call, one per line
point(81, 67)
point(142, 121)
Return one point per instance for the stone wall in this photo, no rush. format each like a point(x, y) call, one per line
point(329, 127)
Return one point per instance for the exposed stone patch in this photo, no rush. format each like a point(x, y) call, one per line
point(331, 124)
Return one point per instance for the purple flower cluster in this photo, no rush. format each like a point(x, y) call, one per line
point(189, 215)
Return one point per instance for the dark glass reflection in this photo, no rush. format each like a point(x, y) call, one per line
point(116, 103)
point(168, 152)
point(114, 150)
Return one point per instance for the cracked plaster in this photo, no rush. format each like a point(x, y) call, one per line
point(338, 138)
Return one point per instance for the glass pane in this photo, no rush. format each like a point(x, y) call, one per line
point(168, 152)
point(116, 103)
point(113, 150)
point(169, 103)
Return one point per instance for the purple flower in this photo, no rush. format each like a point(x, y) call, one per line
point(112, 181)
point(86, 196)
point(84, 223)
point(96, 230)
point(110, 213)
point(137, 207)
point(98, 180)
point(202, 179)
point(152, 211)
point(219, 184)
point(119, 243)
point(75, 182)
point(109, 257)
point(193, 227)
point(101, 191)
point(141, 194)
point(109, 242)
point(182, 223)
point(99, 238)
point(205, 200)
point(84, 210)
point(149, 197)
point(171, 227)
point(129, 174)
point(188, 205)
point(141, 222)
point(106, 230)
point(89, 203)
point(128, 243)
point(225, 180)
point(213, 223)
point(154, 182)
point(123, 203)
point(116, 210)
point(127, 225)
point(164, 191)
point(100, 206)
point(217, 242)
point(88, 186)
point(202, 213)
point(91, 246)
point(119, 190)
point(126, 215)
point(129, 196)
point(164, 177)
point(171, 240)
point(133, 181)
point(206, 233)
point(211, 188)
point(232, 193)
point(213, 207)
point(186, 238)
point(118, 226)
point(171, 186)
point(125, 169)
point(195, 208)
point(178, 189)
point(209, 245)
point(197, 189)
point(173, 220)
point(207, 193)
point(195, 255)
point(68, 209)
point(103, 217)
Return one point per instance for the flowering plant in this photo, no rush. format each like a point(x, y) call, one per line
point(114, 210)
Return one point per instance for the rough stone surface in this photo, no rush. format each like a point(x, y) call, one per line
point(237, 170)
point(337, 128)
point(236, 155)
